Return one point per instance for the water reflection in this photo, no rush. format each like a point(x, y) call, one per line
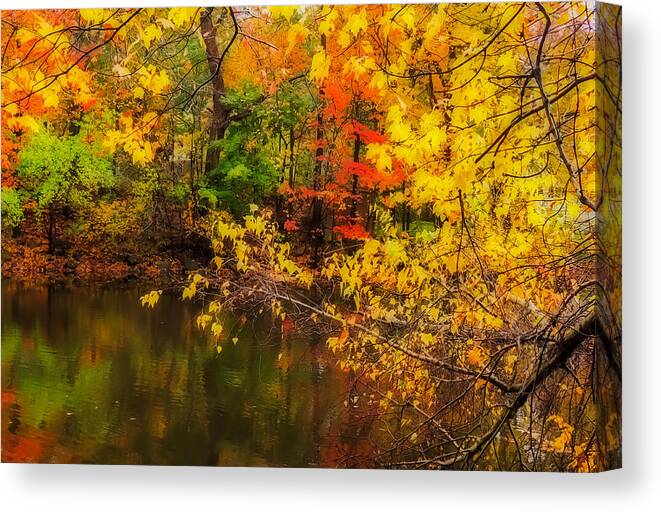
point(89, 376)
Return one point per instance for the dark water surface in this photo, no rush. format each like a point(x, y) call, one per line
point(90, 376)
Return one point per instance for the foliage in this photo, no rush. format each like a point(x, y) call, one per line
point(430, 180)
point(62, 170)
point(12, 207)
point(246, 172)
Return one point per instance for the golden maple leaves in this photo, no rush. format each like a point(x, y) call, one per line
point(459, 117)
point(134, 136)
point(320, 66)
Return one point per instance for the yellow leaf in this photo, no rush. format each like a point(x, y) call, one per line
point(296, 35)
point(320, 66)
point(327, 26)
point(151, 298)
point(189, 291)
point(479, 114)
point(378, 153)
point(93, 15)
point(153, 80)
point(150, 34)
point(357, 22)
point(284, 11)
point(51, 98)
point(203, 320)
point(181, 16)
point(399, 131)
point(426, 338)
point(111, 139)
point(216, 329)
point(407, 16)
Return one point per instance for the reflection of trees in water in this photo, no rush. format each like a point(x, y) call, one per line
point(92, 377)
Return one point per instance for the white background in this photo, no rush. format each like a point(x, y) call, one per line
point(636, 487)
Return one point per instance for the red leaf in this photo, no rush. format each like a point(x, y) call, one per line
point(351, 232)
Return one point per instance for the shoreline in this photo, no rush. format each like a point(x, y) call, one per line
point(21, 263)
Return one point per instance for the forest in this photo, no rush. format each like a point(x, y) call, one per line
point(433, 190)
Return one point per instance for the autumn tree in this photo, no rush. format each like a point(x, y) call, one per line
point(437, 184)
point(61, 175)
point(479, 339)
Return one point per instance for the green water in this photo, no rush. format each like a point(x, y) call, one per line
point(90, 376)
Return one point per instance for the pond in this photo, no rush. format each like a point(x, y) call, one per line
point(90, 376)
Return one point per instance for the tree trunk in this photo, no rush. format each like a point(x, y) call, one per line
point(292, 141)
point(315, 226)
point(51, 229)
point(215, 61)
point(406, 212)
point(354, 184)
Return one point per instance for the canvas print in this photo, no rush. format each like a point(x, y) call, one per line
point(341, 236)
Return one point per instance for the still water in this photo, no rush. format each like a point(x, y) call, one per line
point(90, 376)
